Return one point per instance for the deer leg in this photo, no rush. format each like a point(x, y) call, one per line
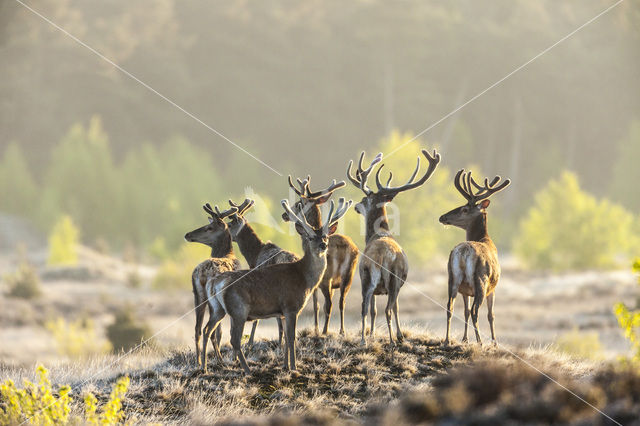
point(280, 331)
point(315, 310)
point(237, 328)
point(253, 333)
point(213, 324)
point(343, 296)
point(452, 299)
point(328, 305)
point(466, 300)
point(388, 310)
point(475, 308)
point(490, 300)
point(200, 309)
point(366, 301)
point(373, 313)
point(290, 325)
point(399, 334)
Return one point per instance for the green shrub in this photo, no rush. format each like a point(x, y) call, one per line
point(76, 339)
point(175, 272)
point(39, 404)
point(24, 283)
point(568, 228)
point(580, 345)
point(629, 320)
point(127, 332)
point(63, 243)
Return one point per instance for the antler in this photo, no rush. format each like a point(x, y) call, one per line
point(433, 159)
point(465, 184)
point(333, 217)
point(302, 221)
point(334, 185)
point(242, 208)
point(217, 213)
point(360, 179)
point(303, 185)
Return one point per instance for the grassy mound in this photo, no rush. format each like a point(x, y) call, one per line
point(339, 381)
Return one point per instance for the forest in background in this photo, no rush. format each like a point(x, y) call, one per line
point(305, 86)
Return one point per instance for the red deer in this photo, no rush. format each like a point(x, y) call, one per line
point(215, 235)
point(280, 290)
point(473, 266)
point(342, 255)
point(256, 252)
point(383, 265)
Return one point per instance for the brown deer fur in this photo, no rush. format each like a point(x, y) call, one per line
point(215, 235)
point(383, 264)
point(342, 255)
point(473, 266)
point(275, 290)
point(256, 252)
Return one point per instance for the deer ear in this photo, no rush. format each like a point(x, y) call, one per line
point(333, 228)
point(484, 204)
point(300, 229)
point(210, 219)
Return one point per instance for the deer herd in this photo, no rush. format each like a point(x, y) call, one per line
point(278, 283)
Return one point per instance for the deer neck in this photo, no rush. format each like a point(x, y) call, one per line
point(250, 244)
point(224, 247)
point(478, 231)
point(313, 267)
point(377, 223)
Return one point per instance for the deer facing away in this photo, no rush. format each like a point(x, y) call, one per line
point(342, 255)
point(256, 252)
point(215, 235)
point(275, 290)
point(473, 266)
point(383, 264)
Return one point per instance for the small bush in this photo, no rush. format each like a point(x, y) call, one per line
point(76, 339)
point(126, 332)
point(39, 404)
point(24, 283)
point(134, 280)
point(629, 320)
point(175, 272)
point(580, 345)
point(568, 228)
point(63, 243)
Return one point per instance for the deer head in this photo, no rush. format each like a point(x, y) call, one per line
point(210, 234)
point(310, 201)
point(237, 220)
point(375, 200)
point(476, 196)
point(316, 238)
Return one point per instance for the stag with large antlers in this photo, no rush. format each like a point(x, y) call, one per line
point(473, 266)
point(257, 253)
point(342, 255)
point(215, 235)
point(383, 264)
point(280, 290)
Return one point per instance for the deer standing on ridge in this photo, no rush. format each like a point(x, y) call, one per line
point(342, 255)
point(215, 235)
point(473, 266)
point(256, 252)
point(383, 264)
point(280, 290)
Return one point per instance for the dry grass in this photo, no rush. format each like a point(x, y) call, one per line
point(340, 381)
